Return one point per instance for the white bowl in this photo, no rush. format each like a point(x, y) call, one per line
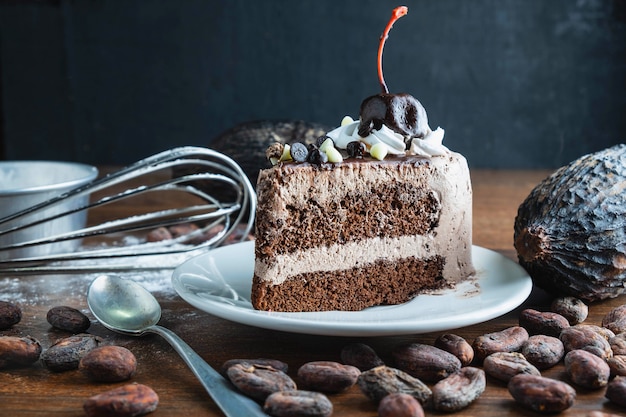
point(24, 184)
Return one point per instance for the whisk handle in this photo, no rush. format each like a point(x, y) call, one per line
point(231, 402)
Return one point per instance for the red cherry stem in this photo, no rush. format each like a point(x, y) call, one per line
point(396, 14)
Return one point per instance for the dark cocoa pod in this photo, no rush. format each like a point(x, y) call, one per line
point(570, 232)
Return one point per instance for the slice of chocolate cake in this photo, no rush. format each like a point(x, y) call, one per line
point(361, 233)
point(377, 212)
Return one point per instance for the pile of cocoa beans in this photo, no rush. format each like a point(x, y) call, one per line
point(95, 359)
point(452, 373)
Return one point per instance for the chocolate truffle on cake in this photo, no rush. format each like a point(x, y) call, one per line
point(386, 216)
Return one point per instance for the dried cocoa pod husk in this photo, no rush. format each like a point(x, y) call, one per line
point(570, 232)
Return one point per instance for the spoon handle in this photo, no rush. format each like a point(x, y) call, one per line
point(231, 402)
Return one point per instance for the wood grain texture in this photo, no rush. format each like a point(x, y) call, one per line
point(35, 391)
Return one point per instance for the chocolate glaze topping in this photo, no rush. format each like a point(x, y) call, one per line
point(402, 113)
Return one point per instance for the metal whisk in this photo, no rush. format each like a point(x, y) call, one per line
point(223, 199)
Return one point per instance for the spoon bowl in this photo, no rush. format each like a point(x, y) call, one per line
point(126, 307)
point(122, 305)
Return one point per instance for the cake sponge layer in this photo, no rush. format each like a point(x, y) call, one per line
point(353, 289)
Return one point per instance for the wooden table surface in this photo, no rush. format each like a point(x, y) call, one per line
point(35, 391)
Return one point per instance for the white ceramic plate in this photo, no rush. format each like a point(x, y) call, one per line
point(219, 282)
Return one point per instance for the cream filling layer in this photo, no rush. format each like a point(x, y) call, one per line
point(359, 254)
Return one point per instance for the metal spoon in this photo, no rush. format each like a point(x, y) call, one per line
point(126, 307)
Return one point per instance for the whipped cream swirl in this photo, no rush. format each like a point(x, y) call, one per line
point(430, 145)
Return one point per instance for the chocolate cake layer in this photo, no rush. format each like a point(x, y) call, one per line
point(385, 229)
point(352, 290)
point(309, 205)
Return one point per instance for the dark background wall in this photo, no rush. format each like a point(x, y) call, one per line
point(515, 83)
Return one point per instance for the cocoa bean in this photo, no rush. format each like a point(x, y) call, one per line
point(586, 338)
point(505, 365)
point(327, 376)
point(68, 319)
point(18, 351)
point(616, 391)
point(457, 346)
point(618, 344)
point(400, 405)
point(507, 340)
point(259, 381)
point(543, 351)
point(572, 308)
point(537, 322)
point(541, 394)
point(615, 320)
point(274, 363)
point(108, 364)
point(586, 369)
point(617, 365)
point(425, 362)
point(66, 353)
point(381, 381)
point(298, 403)
point(458, 390)
point(125, 401)
point(10, 314)
point(360, 355)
